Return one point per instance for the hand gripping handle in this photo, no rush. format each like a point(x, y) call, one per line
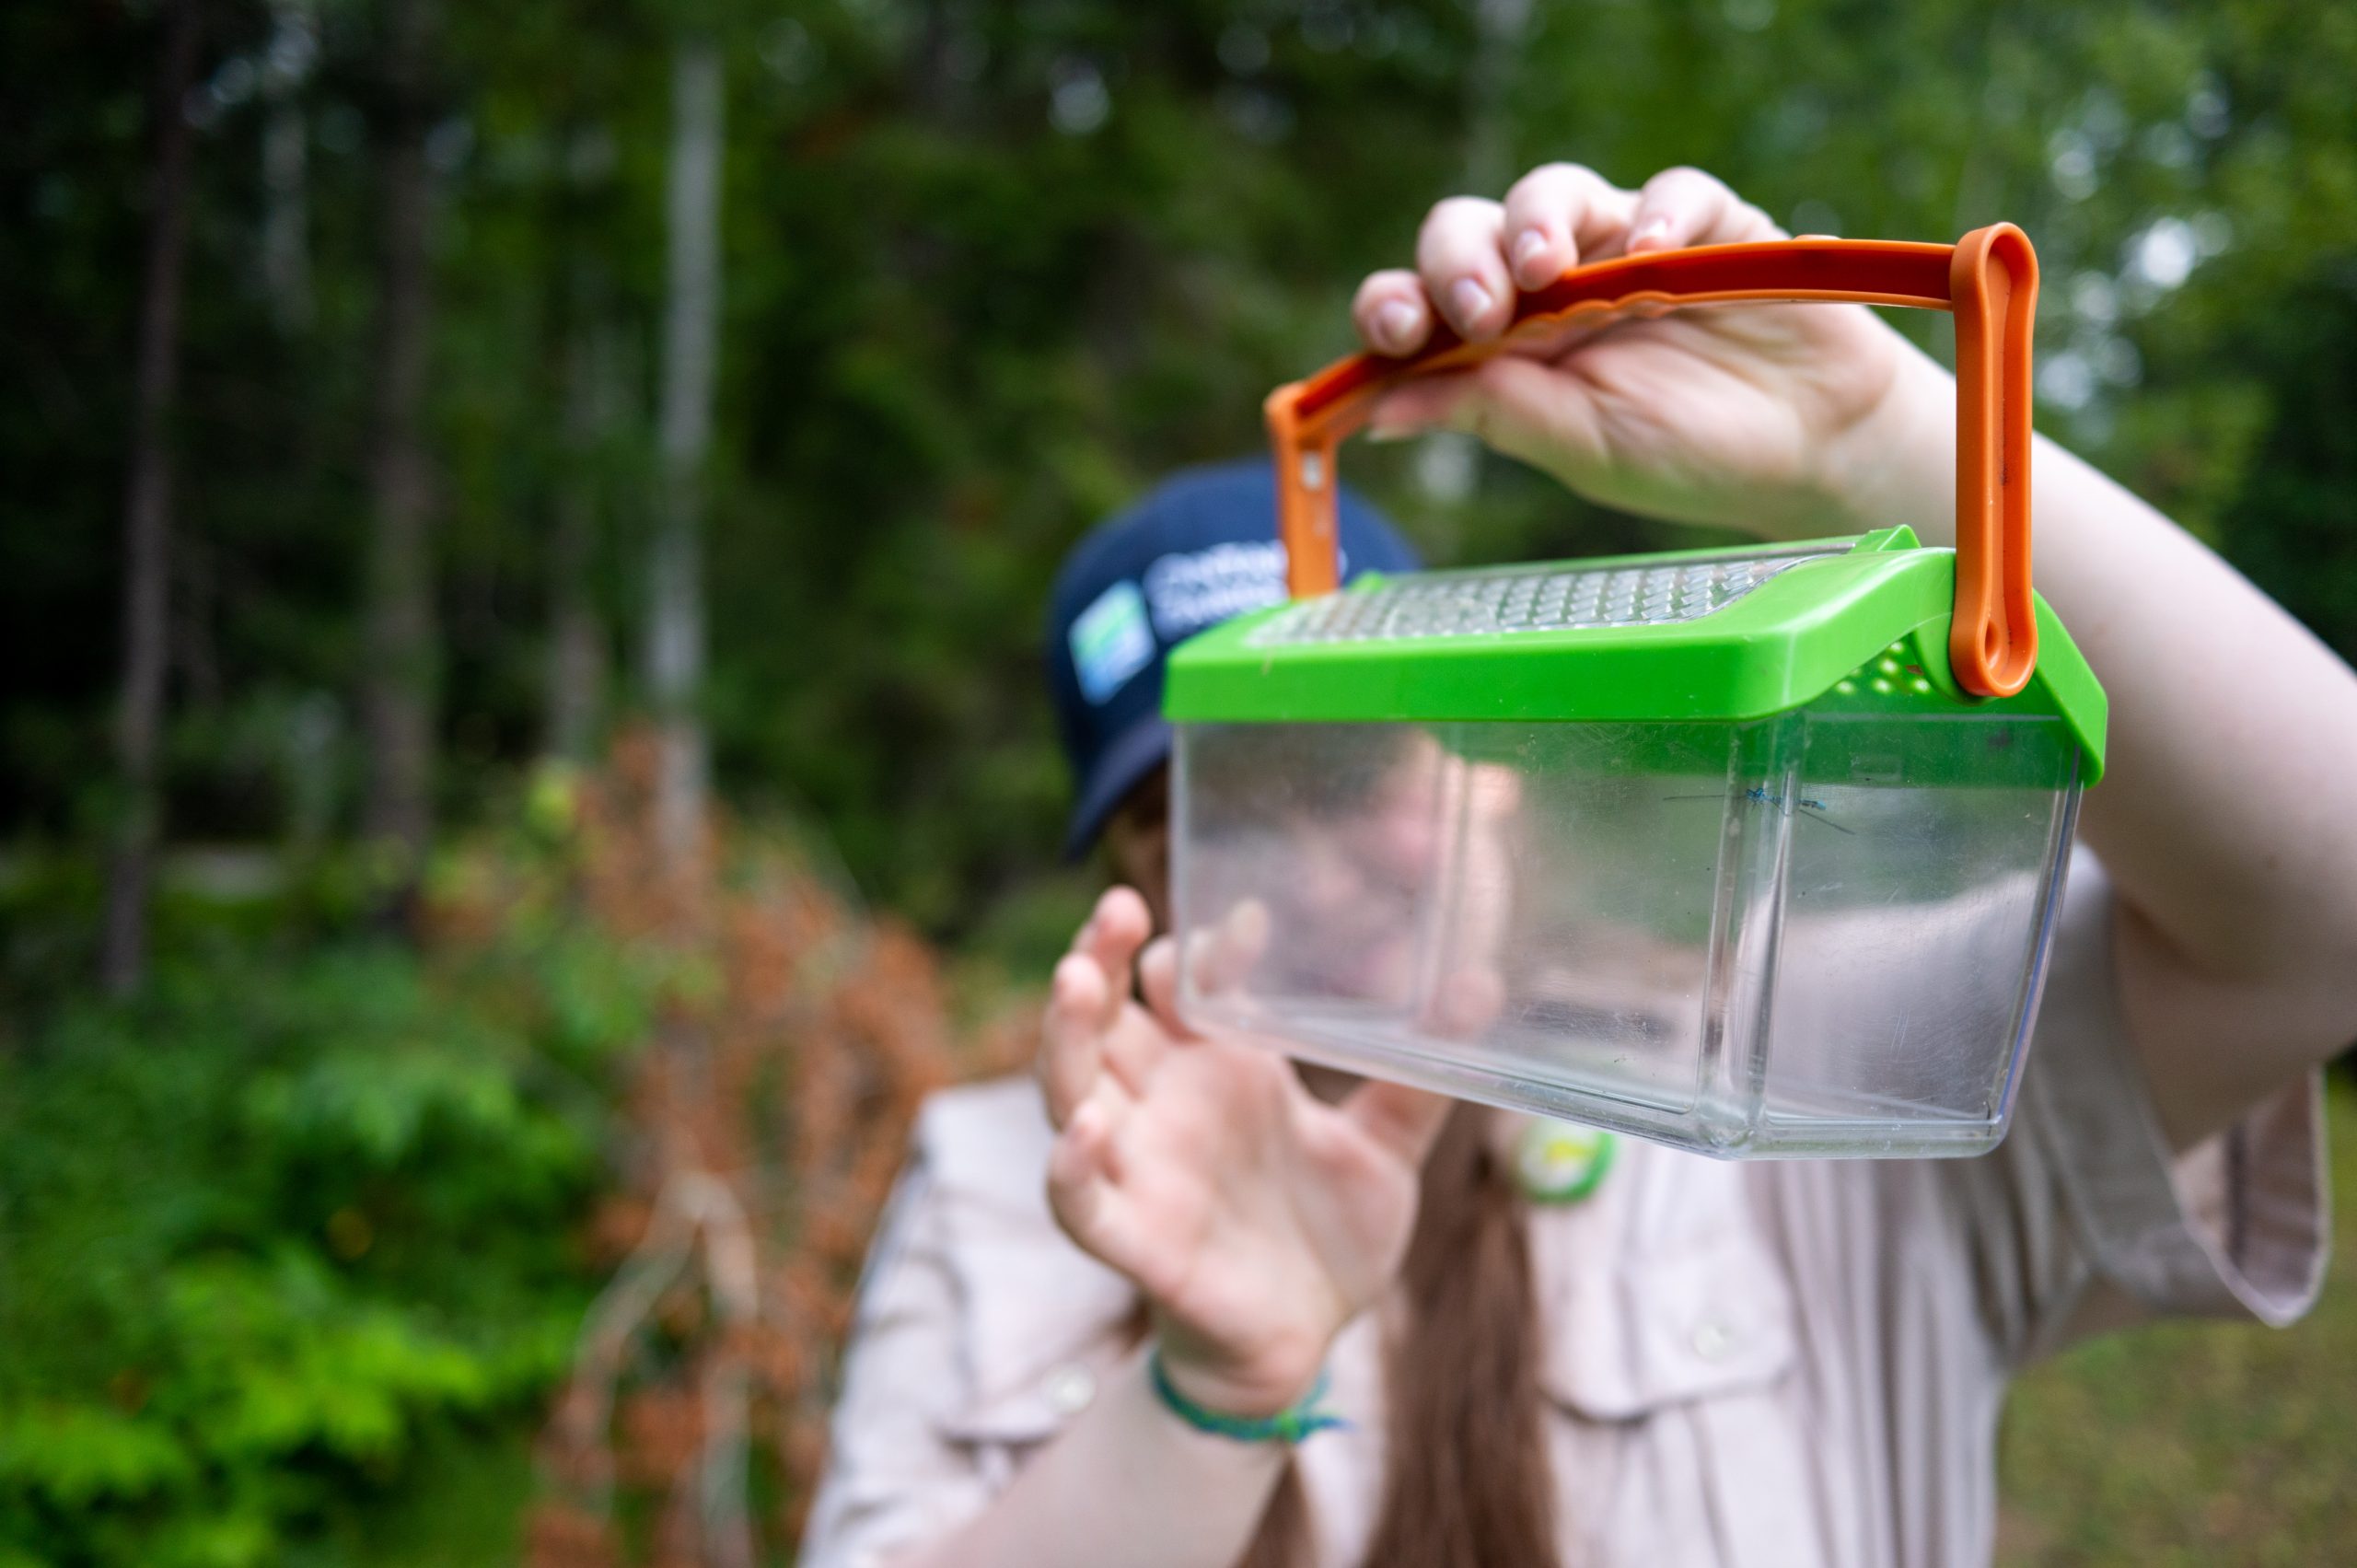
point(1988, 279)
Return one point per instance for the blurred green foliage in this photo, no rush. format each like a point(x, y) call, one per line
point(287, 1229)
point(989, 268)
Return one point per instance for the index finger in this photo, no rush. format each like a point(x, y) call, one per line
point(1116, 930)
point(1072, 1056)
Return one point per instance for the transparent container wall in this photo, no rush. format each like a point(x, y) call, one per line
point(1818, 934)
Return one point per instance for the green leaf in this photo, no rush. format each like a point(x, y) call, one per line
point(75, 1456)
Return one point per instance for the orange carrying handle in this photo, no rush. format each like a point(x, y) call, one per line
point(1988, 279)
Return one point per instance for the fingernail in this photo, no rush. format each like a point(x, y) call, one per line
point(1396, 324)
point(1652, 232)
point(1528, 248)
point(1468, 299)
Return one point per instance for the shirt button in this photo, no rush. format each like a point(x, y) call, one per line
point(1068, 1388)
point(1713, 1342)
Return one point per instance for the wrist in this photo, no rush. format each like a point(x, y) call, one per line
point(1306, 1417)
point(1294, 1423)
point(1250, 1388)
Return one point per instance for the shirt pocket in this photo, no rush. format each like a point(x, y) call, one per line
point(1039, 1324)
point(1011, 1417)
point(1676, 1427)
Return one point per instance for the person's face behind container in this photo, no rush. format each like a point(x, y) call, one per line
point(1137, 841)
point(1356, 869)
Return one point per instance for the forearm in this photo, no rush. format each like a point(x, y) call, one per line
point(2232, 762)
point(1128, 1482)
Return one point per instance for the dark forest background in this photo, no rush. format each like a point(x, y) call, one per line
point(981, 272)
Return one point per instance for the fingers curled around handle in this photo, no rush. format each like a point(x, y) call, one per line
point(1558, 216)
point(1391, 313)
point(1683, 206)
point(1475, 257)
point(1462, 260)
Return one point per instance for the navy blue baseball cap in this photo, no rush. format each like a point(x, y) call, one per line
point(1200, 548)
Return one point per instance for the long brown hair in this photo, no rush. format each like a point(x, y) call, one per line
point(1465, 1482)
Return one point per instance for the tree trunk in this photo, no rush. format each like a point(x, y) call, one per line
point(398, 699)
point(675, 630)
point(576, 670)
point(148, 513)
point(286, 167)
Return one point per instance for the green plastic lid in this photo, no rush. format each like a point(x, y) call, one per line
point(1858, 623)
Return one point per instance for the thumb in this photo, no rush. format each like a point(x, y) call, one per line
point(1402, 1121)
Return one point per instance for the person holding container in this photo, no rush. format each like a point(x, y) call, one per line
point(1180, 1304)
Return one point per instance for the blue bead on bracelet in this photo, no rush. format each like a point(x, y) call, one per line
point(1289, 1425)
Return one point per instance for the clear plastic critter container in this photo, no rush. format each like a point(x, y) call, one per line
point(1756, 853)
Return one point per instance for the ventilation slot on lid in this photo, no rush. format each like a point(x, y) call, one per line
point(1470, 604)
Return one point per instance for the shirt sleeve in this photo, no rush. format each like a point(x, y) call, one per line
point(892, 1479)
point(2083, 1220)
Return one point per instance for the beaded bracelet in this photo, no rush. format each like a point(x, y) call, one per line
point(1289, 1425)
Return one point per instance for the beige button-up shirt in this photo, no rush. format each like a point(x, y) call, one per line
point(1755, 1365)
